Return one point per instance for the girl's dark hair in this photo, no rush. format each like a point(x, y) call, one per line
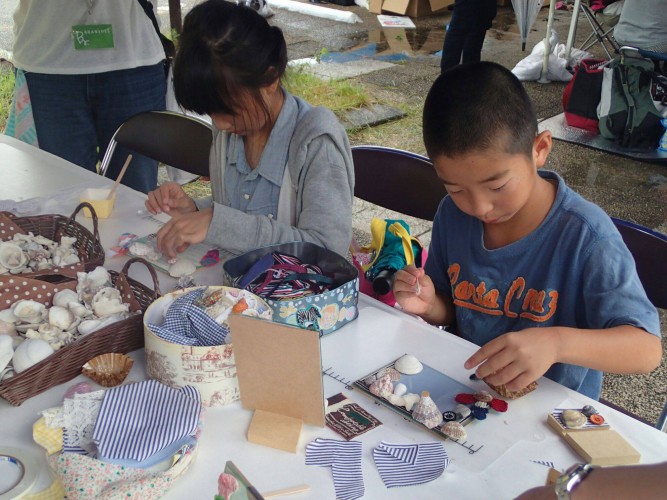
point(478, 106)
point(226, 50)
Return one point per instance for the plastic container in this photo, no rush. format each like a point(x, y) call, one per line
point(97, 197)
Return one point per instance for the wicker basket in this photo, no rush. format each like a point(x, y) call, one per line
point(65, 364)
point(53, 226)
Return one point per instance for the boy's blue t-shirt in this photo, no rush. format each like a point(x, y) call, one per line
point(574, 270)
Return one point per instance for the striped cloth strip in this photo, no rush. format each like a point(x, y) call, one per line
point(344, 457)
point(138, 420)
point(409, 464)
point(188, 324)
point(278, 281)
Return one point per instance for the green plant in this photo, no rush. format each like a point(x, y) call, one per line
point(6, 92)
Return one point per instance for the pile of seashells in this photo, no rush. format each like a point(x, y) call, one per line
point(26, 253)
point(31, 331)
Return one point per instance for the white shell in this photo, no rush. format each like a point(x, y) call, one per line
point(107, 302)
point(396, 400)
point(90, 283)
point(408, 365)
point(6, 351)
point(8, 316)
point(410, 399)
point(30, 352)
point(79, 310)
point(12, 256)
point(463, 410)
point(66, 242)
point(7, 328)
point(140, 249)
point(61, 317)
point(182, 267)
point(89, 326)
point(29, 311)
point(454, 430)
point(400, 389)
point(64, 297)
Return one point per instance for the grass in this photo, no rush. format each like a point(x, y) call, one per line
point(6, 92)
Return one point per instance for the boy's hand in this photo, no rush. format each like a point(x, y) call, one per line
point(170, 199)
point(517, 358)
point(182, 231)
point(414, 290)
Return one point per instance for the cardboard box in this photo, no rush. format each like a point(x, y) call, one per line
point(415, 8)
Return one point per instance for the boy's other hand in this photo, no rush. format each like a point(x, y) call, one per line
point(182, 231)
point(414, 290)
point(170, 199)
point(517, 358)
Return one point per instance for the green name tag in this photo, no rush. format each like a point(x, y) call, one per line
point(92, 36)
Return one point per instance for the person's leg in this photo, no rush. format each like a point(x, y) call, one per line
point(120, 95)
point(485, 12)
point(63, 117)
point(455, 35)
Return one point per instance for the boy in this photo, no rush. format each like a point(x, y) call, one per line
point(519, 263)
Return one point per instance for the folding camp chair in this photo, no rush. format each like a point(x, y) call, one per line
point(649, 249)
point(397, 180)
point(174, 139)
point(601, 33)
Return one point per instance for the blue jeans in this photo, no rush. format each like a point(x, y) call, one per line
point(76, 116)
point(466, 32)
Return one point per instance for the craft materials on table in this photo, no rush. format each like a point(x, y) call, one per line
point(409, 464)
point(344, 458)
point(347, 418)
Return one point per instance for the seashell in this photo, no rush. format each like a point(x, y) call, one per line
point(67, 242)
point(108, 369)
point(107, 302)
point(65, 257)
point(7, 328)
point(392, 372)
point(29, 311)
point(64, 297)
point(370, 379)
point(139, 249)
point(426, 411)
point(589, 410)
point(90, 283)
point(408, 364)
point(463, 411)
point(6, 351)
point(79, 310)
point(382, 387)
point(80, 388)
point(7, 373)
point(396, 400)
point(12, 256)
point(454, 430)
point(481, 404)
point(227, 485)
point(410, 399)
point(483, 396)
point(400, 389)
point(574, 419)
point(182, 267)
point(91, 325)
point(61, 317)
point(29, 353)
point(8, 316)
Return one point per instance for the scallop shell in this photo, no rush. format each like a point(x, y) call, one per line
point(408, 365)
point(382, 387)
point(426, 411)
point(574, 419)
point(12, 256)
point(182, 267)
point(29, 311)
point(454, 430)
point(29, 353)
point(108, 369)
point(392, 372)
point(64, 297)
point(107, 302)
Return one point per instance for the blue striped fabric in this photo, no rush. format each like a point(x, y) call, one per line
point(188, 324)
point(344, 457)
point(409, 464)
point(137, 421)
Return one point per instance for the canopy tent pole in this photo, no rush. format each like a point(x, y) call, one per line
point(547, 45)
point(573, 30)
point(175, 19)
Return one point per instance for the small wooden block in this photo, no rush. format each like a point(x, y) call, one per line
point(274, 430)
point(603, 447)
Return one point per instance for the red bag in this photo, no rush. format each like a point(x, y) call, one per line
point(582, 95)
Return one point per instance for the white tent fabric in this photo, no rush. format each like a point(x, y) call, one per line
point(526, 12)
point(316, 10)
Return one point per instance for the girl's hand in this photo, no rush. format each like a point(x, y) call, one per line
point(170, 199)
point(182, 231)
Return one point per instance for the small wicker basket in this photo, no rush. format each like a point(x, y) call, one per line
point(65, 364)
point(53, 227)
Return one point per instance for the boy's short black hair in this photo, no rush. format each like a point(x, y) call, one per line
point(226, 50)
point(478, 106)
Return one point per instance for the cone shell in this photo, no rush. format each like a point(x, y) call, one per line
point(454, 430)
point(108, 369)
point(426, 412)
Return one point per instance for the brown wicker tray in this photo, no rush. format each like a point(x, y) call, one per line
point(53, 226)
point(65, 364)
